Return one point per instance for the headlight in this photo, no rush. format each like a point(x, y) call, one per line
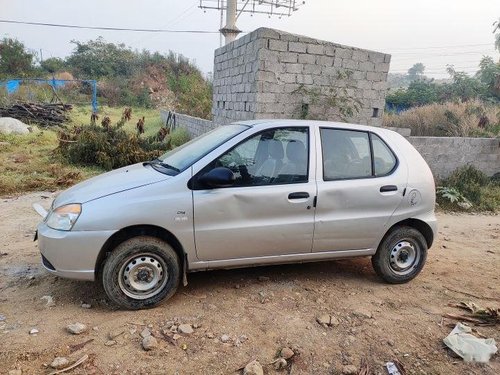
point(64, 217)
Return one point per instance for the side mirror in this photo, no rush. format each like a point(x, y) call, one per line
point(217, 178)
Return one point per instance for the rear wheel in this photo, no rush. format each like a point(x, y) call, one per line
point(401, 255)
point(141, 272)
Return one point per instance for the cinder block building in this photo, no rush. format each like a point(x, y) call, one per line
point(273, 74)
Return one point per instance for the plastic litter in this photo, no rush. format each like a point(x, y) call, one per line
point(395, 368)
point(469, 347)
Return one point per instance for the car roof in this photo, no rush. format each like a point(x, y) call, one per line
point(313, 123)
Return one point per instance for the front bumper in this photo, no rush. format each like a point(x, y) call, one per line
point(71, 254)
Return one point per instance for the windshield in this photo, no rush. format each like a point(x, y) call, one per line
point(184, 156)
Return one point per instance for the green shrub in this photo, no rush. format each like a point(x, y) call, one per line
point(467, 187)
point(109, 148)
point(179, 136)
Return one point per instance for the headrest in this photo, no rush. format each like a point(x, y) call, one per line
point(275, 149)
point(296, 151)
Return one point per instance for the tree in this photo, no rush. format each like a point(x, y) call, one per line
point(489, 75)
point(496, 32)
point(96, 59)
point(420, 92)
point(53, 64)
point(463, 86)
point(15, 60)
point(416, 71)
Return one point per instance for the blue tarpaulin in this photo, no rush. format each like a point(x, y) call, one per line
point(12, 86)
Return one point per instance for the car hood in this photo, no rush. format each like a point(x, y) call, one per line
point(122, 179)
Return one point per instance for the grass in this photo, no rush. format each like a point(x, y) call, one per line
point(471, 119)
point(28, 163)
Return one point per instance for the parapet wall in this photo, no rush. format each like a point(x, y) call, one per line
point(445, 154)
point(194, 125)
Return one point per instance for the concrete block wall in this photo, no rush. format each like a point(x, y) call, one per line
point(274, 74)
point(194, 125)
point(445, 154)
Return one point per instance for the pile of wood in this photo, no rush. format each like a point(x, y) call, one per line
point(38, 113)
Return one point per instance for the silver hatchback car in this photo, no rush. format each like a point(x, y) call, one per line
point(246, 194)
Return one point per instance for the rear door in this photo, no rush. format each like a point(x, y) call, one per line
point(269, 210)
point(360, 185)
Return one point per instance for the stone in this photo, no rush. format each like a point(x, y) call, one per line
point(86, 305)
point(146, 332)
point(176, 336)
point(334, 322)
point(349, 370)
point(361, 313)
point(149, 343)
point(33, 331)
point(185, 329)
point(253, 368)
point(9, 125)
point(264, 278)
point(110, 343)
point(280, 364)
point(15, 372)
point(50, 301)
point(240, 340)
point(225, 338)
point(286, 353)
point(76, 328)
point(59, 363)
point(323, 319)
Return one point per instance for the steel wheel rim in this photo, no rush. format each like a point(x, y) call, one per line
point(404, 257)
point(143, 276)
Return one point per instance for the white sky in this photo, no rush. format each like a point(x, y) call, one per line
point(462, 29)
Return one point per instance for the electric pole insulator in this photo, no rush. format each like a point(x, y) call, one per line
point(234, 8)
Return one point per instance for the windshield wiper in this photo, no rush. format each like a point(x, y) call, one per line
point(164, 165)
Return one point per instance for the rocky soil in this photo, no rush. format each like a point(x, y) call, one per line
point(323, 318)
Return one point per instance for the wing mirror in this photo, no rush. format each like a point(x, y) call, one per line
point(217, 178)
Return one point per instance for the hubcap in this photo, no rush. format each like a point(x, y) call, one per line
point(404, 257)
point(142, 276)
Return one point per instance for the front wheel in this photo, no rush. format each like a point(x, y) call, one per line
point(401, 255)
point(141, 272)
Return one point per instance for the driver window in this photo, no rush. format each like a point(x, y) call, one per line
point(276, 156)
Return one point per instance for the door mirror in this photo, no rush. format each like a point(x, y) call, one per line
point(217, 178)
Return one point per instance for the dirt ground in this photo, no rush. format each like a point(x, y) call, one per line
point(260, 309)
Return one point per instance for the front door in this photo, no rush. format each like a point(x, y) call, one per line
point(269, 209)
point(360, 188)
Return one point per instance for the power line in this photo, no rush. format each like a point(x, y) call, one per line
point(452, 46)
point(108, 28)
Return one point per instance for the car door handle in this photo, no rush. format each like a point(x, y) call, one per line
point(298, 195)
point(386, 188)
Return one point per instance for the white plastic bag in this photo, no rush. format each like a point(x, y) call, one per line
point(469, 347)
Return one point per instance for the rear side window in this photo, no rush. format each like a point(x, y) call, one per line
point(346, 154)
point(350, 154)
point(384, 159)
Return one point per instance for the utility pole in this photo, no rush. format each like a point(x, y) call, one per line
point(230, 31)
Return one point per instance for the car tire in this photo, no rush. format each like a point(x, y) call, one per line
point(141, 272)
point(401, 255)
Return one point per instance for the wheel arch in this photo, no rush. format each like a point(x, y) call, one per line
point(419, 225)
point(126, 233)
